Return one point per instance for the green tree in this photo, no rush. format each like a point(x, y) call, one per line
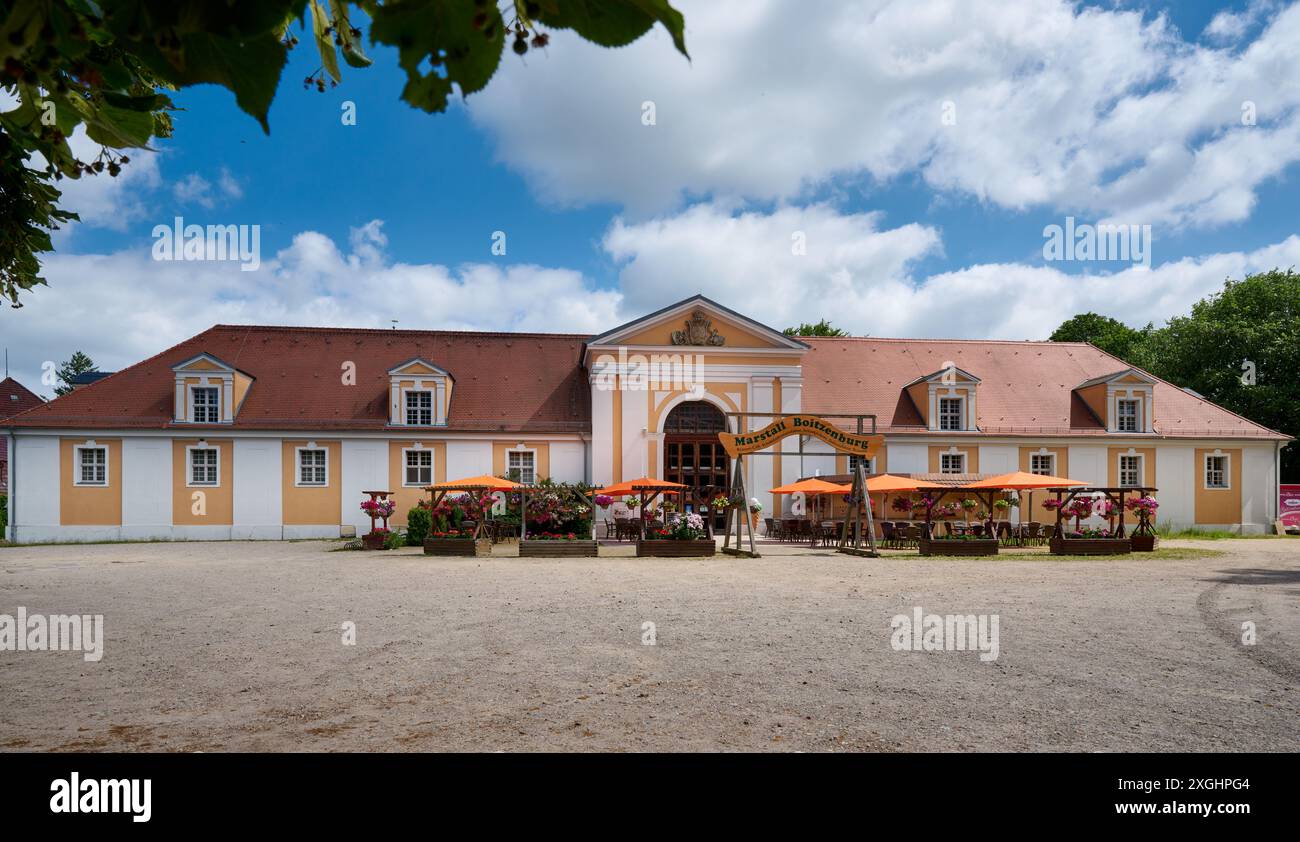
point(1241, 349)
point(1110, 335)
point(79, 364)
point(822, 328)
point(109, 66)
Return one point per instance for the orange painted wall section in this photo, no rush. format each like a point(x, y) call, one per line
point(81, 505)
point(1148, 455)
point(541, 459)
point(219, 501)
point(311, 505)
point(1062, 460)
point(405, 498)
point(971, 450)
point(1218, 505)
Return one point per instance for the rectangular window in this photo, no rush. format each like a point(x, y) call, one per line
point(92, 466)
point(206, 405)
point(1042, 464)
point(1127, 416)
point(867, 467)
point(312, 467)
point(419, 408)
point(952, 463)
point(419, 468)
point(1130, 471)
point(950, 414)
point(519, 466)
point(203, 466)
point(1216, 471)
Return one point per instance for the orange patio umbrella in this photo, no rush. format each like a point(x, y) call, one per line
point(627, 486)
point(486, 481)
point(812, 486)
point(885, 483)
point(1021, 481)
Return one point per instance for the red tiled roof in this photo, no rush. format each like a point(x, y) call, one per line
point(1026, 388)
point(16, 398)
point(526, 382)
point(508, 382)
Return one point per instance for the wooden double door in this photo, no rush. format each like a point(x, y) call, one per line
point(694, 456)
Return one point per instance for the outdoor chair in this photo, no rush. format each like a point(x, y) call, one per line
point(1036, 534)
point(913, 536)
point(887, 533)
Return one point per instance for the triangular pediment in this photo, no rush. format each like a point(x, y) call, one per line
point(417, 367)
point(1126, 376)
point(698, 323)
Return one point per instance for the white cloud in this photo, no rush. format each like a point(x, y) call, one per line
point(1228, 26)
point(1059, 106)
point(194, 189)
point(124, 307)
point(860, 277)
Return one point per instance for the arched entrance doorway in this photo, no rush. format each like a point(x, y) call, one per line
point(693, 454)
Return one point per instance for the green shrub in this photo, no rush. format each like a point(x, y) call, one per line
point(393, 540)
point(418, 523)
point(4, 514)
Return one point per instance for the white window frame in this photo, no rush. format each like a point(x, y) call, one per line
point(522, 451)
point(961, 412)
point(870, 463)
point(193, 407)
point(959, 455)
point(406, 411)
point(1120, 417)
point(1141, 470)
point(76, 465)
point(1227, 472)
point(405, 467)
point(297, 459)
point(1051, 461)
point(189, 466)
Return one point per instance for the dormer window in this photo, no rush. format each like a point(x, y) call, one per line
point(1122, 401)
point(205, 404)
point(419, 394)
point(946, 399)
point(208, 391)
point(419, 407)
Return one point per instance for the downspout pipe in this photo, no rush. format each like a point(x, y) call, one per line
point(11, 498)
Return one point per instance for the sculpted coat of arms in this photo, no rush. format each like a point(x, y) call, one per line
point(699, 331)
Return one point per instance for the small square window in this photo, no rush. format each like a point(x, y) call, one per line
point(867, 466)
point(203, 466)
point(1042, 464)
point(92, 466)
point(419, 468)
point(207, 407)
point(952, 463)
point(1128, 411)
point(1130, 471)
point(312, 467)
point(419, 408)
point(950, 414)
point(1216, 471)
point(519, 466)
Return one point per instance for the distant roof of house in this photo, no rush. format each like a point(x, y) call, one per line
point(16, 398)
point(508, 382)
point(85, 378)
point(1026, 388)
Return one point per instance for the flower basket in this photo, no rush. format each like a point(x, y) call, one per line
point(1090, 546)
point(1144, 543)
point(454, 543)
point(552, 548)
point(958, 546)
point(671, 548)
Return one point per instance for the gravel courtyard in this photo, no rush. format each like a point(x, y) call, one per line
point(238, 646)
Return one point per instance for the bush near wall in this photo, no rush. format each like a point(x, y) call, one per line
point(418, 522)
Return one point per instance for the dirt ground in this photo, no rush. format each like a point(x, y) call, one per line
point(238, 646)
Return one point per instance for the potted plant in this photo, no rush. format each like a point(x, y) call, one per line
point(969, 505)
point(1143, 538)
point(685, 537)
point(1083, 540)
point(559, 522)
point(380, 510)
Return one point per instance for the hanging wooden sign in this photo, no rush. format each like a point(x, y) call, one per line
point(857, 444)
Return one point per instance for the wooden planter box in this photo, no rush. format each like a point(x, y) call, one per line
point(557, 549)
point(1144, 543)
point(676, 549)
point(974, 546)
point(373, 540)
point(1091, 546)
point(451, 546)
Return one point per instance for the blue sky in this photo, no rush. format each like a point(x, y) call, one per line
point(781, 123)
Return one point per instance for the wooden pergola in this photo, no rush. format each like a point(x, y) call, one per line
point(1115, 494)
